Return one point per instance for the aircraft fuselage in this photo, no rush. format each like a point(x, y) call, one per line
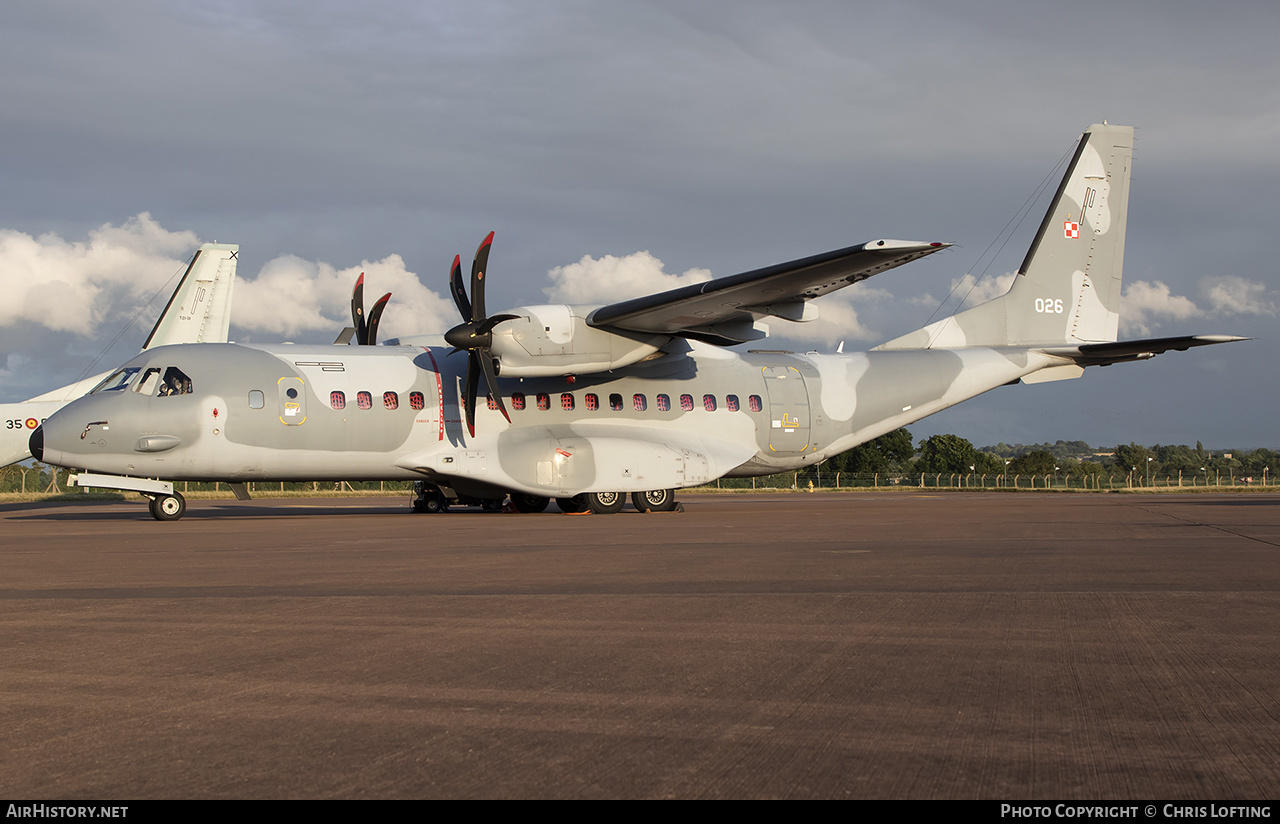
point(289, 412)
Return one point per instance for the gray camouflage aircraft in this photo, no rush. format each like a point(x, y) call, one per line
point(199, 311)
point(586, 404)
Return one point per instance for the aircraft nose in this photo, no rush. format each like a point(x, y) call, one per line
point(36, 444)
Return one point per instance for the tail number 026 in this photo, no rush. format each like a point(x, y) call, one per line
point(1049, 306)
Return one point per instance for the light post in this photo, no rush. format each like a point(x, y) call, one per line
point(1005, 482)
point(1149, 460)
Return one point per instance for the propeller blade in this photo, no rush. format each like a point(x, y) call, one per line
point(491, 379)
point(375, 316)
point(478, 267)
point(473, 380)
point(458, 289)
point(357, 310)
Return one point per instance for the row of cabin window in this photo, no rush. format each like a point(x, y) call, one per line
point(591, 401)
point(639, 402)
point(364, 400)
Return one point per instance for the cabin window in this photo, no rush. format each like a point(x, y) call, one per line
point(416, 401)
point(338, 400)
point(686, 403)
point(615, 402)
point(709, 403)
point(390, 400)
point(592, 401)
point(566, 401)
point(664, 403)
point(517, 401)
point(364, 400)
point(256, 399)
point(639, 402)
point(731, 402)
point(754, 402)
point(544, 401)
point(175, 382)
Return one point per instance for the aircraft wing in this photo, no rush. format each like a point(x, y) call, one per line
point(723, 311)
point(1105, 354)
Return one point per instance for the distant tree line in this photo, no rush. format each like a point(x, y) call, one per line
point(898, 452)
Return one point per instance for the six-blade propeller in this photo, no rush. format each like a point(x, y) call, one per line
point(366, 328)
point(475, 334)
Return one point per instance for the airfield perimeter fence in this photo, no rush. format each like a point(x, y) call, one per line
point(39, 479)
point(819, 478)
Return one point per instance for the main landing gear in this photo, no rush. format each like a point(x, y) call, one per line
point(432, 498)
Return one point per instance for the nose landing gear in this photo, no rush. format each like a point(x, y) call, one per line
point(167, 507)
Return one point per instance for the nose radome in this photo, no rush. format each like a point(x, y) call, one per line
point(36, 443)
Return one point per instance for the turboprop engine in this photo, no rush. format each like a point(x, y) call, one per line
point(545, 341)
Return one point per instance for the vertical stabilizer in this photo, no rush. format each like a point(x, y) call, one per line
point(1067, 290)
point(199, 310)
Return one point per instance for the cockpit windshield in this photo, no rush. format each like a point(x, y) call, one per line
point(118, 380)
point(153, 380)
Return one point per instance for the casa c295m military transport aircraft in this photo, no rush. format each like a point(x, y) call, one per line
point(199, 311)
point(587, 404)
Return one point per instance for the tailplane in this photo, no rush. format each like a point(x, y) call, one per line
point(1067, 290)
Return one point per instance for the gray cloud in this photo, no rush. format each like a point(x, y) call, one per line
point(718, 136)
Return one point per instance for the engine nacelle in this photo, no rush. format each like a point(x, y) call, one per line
point(546, 341)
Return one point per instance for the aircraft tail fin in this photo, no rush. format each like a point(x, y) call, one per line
point(199, 311)
point(1067, 290)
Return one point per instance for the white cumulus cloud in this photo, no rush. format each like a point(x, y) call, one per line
point(73, 286)
point(292, 296)
point(1147, 305)
point(1234, 295)
point(610, 279)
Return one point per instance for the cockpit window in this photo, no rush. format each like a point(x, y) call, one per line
point(146, 385)
point(175, 382)
point(119, 380)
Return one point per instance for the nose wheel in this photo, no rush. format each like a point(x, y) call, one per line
point(168, 507)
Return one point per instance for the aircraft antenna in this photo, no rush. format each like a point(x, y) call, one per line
point(93, 364)
point(1010, 229)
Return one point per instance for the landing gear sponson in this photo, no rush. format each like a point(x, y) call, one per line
point(433, 498)
point(163, 502)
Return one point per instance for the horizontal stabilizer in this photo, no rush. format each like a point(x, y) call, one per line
point(1105, 354)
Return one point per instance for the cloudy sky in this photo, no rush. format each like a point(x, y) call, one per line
point(624, 147)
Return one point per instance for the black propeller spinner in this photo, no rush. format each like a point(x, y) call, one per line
point(366, 330)
point(474, 334)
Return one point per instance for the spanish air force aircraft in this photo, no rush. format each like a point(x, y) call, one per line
point(587, 404)
point(199, 311)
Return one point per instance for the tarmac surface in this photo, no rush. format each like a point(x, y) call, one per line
point(893, 645)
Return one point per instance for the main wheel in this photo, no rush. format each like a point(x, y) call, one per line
point(655, 500)
point(605, 503)
point(168, 507)
point(492, 504)
point(574, 505)
point(433, 503)
point(529, 503)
